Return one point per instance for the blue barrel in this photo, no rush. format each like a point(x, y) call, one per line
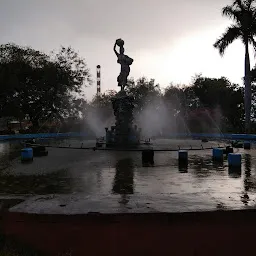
point(27, 154)
point(217, 153)
point(234, 160)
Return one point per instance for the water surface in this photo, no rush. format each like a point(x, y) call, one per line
point(104, 173)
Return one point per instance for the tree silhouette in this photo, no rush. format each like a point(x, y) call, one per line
point(243, 14)
point(38, 85)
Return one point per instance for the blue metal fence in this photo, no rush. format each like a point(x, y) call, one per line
point(228, 136)
point(247, 137)
point(42, 135)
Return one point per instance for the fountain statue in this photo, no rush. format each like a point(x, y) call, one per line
point(124, 133)
point(125, 63)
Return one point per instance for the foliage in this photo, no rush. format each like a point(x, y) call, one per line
point(208, 104)
point(220, 94)
point(143, 91)
point(40, 85)
point(99, 114)
point(50, 88)
point(101, 105)
point(243, 14)
point(103, 100)
point(174, 98)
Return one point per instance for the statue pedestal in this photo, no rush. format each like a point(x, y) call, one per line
point(123, 134)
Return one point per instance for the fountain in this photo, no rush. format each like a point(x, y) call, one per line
point(124, 133)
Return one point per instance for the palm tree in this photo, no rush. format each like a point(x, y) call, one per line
point(243, 13)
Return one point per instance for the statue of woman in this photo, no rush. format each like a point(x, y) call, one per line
point(125, 63)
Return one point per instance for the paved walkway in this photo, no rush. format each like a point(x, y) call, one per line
point(112, 204)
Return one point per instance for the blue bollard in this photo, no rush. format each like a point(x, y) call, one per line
point(247, 145)
point(26, 154)
point(183, 156)
point(217, 154)
point(234, 160)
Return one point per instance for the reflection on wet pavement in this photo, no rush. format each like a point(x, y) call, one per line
point(121, 174)
point(35, 184)
point(8, 152)
point(123, 181)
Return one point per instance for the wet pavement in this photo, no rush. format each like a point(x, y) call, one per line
point(81, 181)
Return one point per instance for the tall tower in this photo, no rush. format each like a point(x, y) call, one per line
point(98, 80)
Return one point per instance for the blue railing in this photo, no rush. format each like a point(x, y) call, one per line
point(174, 135)
point(228, 136)
point(42, 135)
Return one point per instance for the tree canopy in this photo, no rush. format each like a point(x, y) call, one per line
point(44, 87)
point(243, 15)
point(40, 85)
point(207, 105)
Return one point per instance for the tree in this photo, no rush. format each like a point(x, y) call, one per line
point(149, 111)
point(174, 101)
point(174, 98)
point(17, 65)
point(253, 113)
point(143, 91)
point(40, 85)
point(222, 96)
point(103, 100)
point(100, 113)
point(243, 13)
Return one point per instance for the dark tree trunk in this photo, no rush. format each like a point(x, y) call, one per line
point(247, 92)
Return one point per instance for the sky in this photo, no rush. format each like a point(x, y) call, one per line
point(169, 40)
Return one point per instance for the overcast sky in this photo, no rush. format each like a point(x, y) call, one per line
point(169, 40)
